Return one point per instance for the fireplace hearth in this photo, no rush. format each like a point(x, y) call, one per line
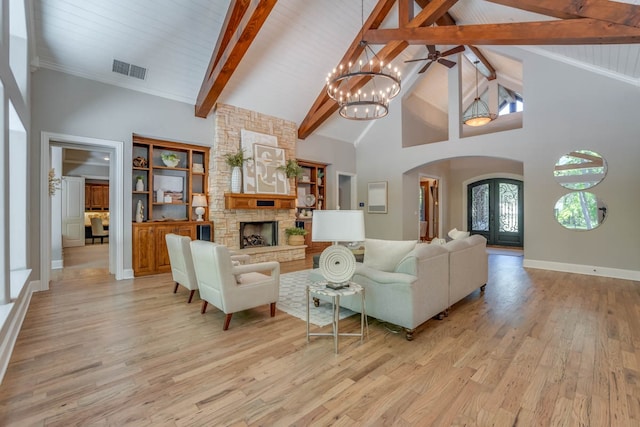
point(258, 234)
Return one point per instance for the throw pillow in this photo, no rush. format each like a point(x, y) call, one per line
point(384, 255)
point(437, 241)
point(456, 234)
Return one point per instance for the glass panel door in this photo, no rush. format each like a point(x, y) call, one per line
point(495, 211)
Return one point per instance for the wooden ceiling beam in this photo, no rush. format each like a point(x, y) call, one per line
point(322, 110)
point(568, 32)
point(405, 12)
point(242, 24)
point(231, 22)
point(487, 70)
point(604, 10)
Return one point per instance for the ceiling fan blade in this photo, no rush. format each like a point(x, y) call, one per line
point(446, 62)
point(456, 49)
point(423, 69)
point(415, 60)
point(431, 48)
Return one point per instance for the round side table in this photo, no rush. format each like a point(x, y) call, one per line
point(320, 288)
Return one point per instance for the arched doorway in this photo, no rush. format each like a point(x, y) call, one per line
point(495, 210)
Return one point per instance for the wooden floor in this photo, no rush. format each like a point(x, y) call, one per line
point(538, 348)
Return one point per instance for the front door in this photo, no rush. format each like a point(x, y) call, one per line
point(495, 210)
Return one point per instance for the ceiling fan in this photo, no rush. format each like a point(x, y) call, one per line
point(437, 56)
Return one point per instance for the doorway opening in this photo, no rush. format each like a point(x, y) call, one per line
point(347, 191)
point(429, 209)
point(116, 199)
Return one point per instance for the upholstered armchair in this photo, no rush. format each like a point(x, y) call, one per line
point(230, 287)
point(181, 263)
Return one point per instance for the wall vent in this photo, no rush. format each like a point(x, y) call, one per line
point(130, 70)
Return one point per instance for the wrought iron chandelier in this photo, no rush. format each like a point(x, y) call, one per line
point(478, 113)
point(363, 90)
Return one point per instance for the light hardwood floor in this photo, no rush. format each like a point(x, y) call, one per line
point(538, 348)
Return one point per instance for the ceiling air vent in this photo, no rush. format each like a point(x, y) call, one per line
point(129, 69)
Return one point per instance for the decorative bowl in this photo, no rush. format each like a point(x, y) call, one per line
point(170, 160)
point(309, 199)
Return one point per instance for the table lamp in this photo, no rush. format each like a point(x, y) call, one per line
point(337, 263)
point(199, 202)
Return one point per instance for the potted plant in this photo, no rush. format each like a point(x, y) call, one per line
point(292, 169)
point(295, 235)
point(236, 160)
point(320, 175)
point(139, 183)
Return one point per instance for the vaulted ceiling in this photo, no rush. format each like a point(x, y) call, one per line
point(272, 56)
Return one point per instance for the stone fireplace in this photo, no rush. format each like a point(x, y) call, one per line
point(229, 122)
point(258, 234)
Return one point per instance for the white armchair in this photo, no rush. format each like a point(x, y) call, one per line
point(230, 287)
point(181, 263)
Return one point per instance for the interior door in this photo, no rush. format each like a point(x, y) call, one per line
point(72, 211)
point(495, 210)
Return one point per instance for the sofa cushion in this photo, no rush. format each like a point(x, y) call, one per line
point(382, 277)
point(384, 255)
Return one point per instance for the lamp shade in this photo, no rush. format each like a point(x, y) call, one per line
point(337, 226)
point(199, 200)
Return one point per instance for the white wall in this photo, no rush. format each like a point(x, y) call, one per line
point(566, 108)
point(71, 105)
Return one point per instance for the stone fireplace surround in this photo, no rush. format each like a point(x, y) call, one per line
point(229, 121)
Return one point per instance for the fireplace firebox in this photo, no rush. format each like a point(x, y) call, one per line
point(258, 234)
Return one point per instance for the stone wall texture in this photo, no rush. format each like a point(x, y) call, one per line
point(229, 121)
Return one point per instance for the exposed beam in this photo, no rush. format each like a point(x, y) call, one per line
point(570, 32)
point(225, 60)
point(405, 12)
point(604, 10)
point(488, 71)
point(379, 12)
point(323, 110)
point(229, 26)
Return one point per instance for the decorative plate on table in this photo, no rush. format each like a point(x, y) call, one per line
point(309, 199)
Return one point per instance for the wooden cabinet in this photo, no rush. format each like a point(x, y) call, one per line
point(96, 197)
point(150, 255)
point(171, 174)
point(168, 187)
point(311, 196)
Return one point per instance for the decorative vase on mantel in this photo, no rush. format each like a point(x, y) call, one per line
point(236, 179)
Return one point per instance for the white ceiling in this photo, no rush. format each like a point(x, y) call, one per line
point(284, 69)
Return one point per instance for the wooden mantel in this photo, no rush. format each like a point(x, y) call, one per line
point(259, 201)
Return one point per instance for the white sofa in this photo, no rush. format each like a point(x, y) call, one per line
point(405, 283)
point(468, 266)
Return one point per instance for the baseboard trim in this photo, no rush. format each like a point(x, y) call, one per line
point(11, 327)
point(128, 274)
point(57, 264)
point(591, 270)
